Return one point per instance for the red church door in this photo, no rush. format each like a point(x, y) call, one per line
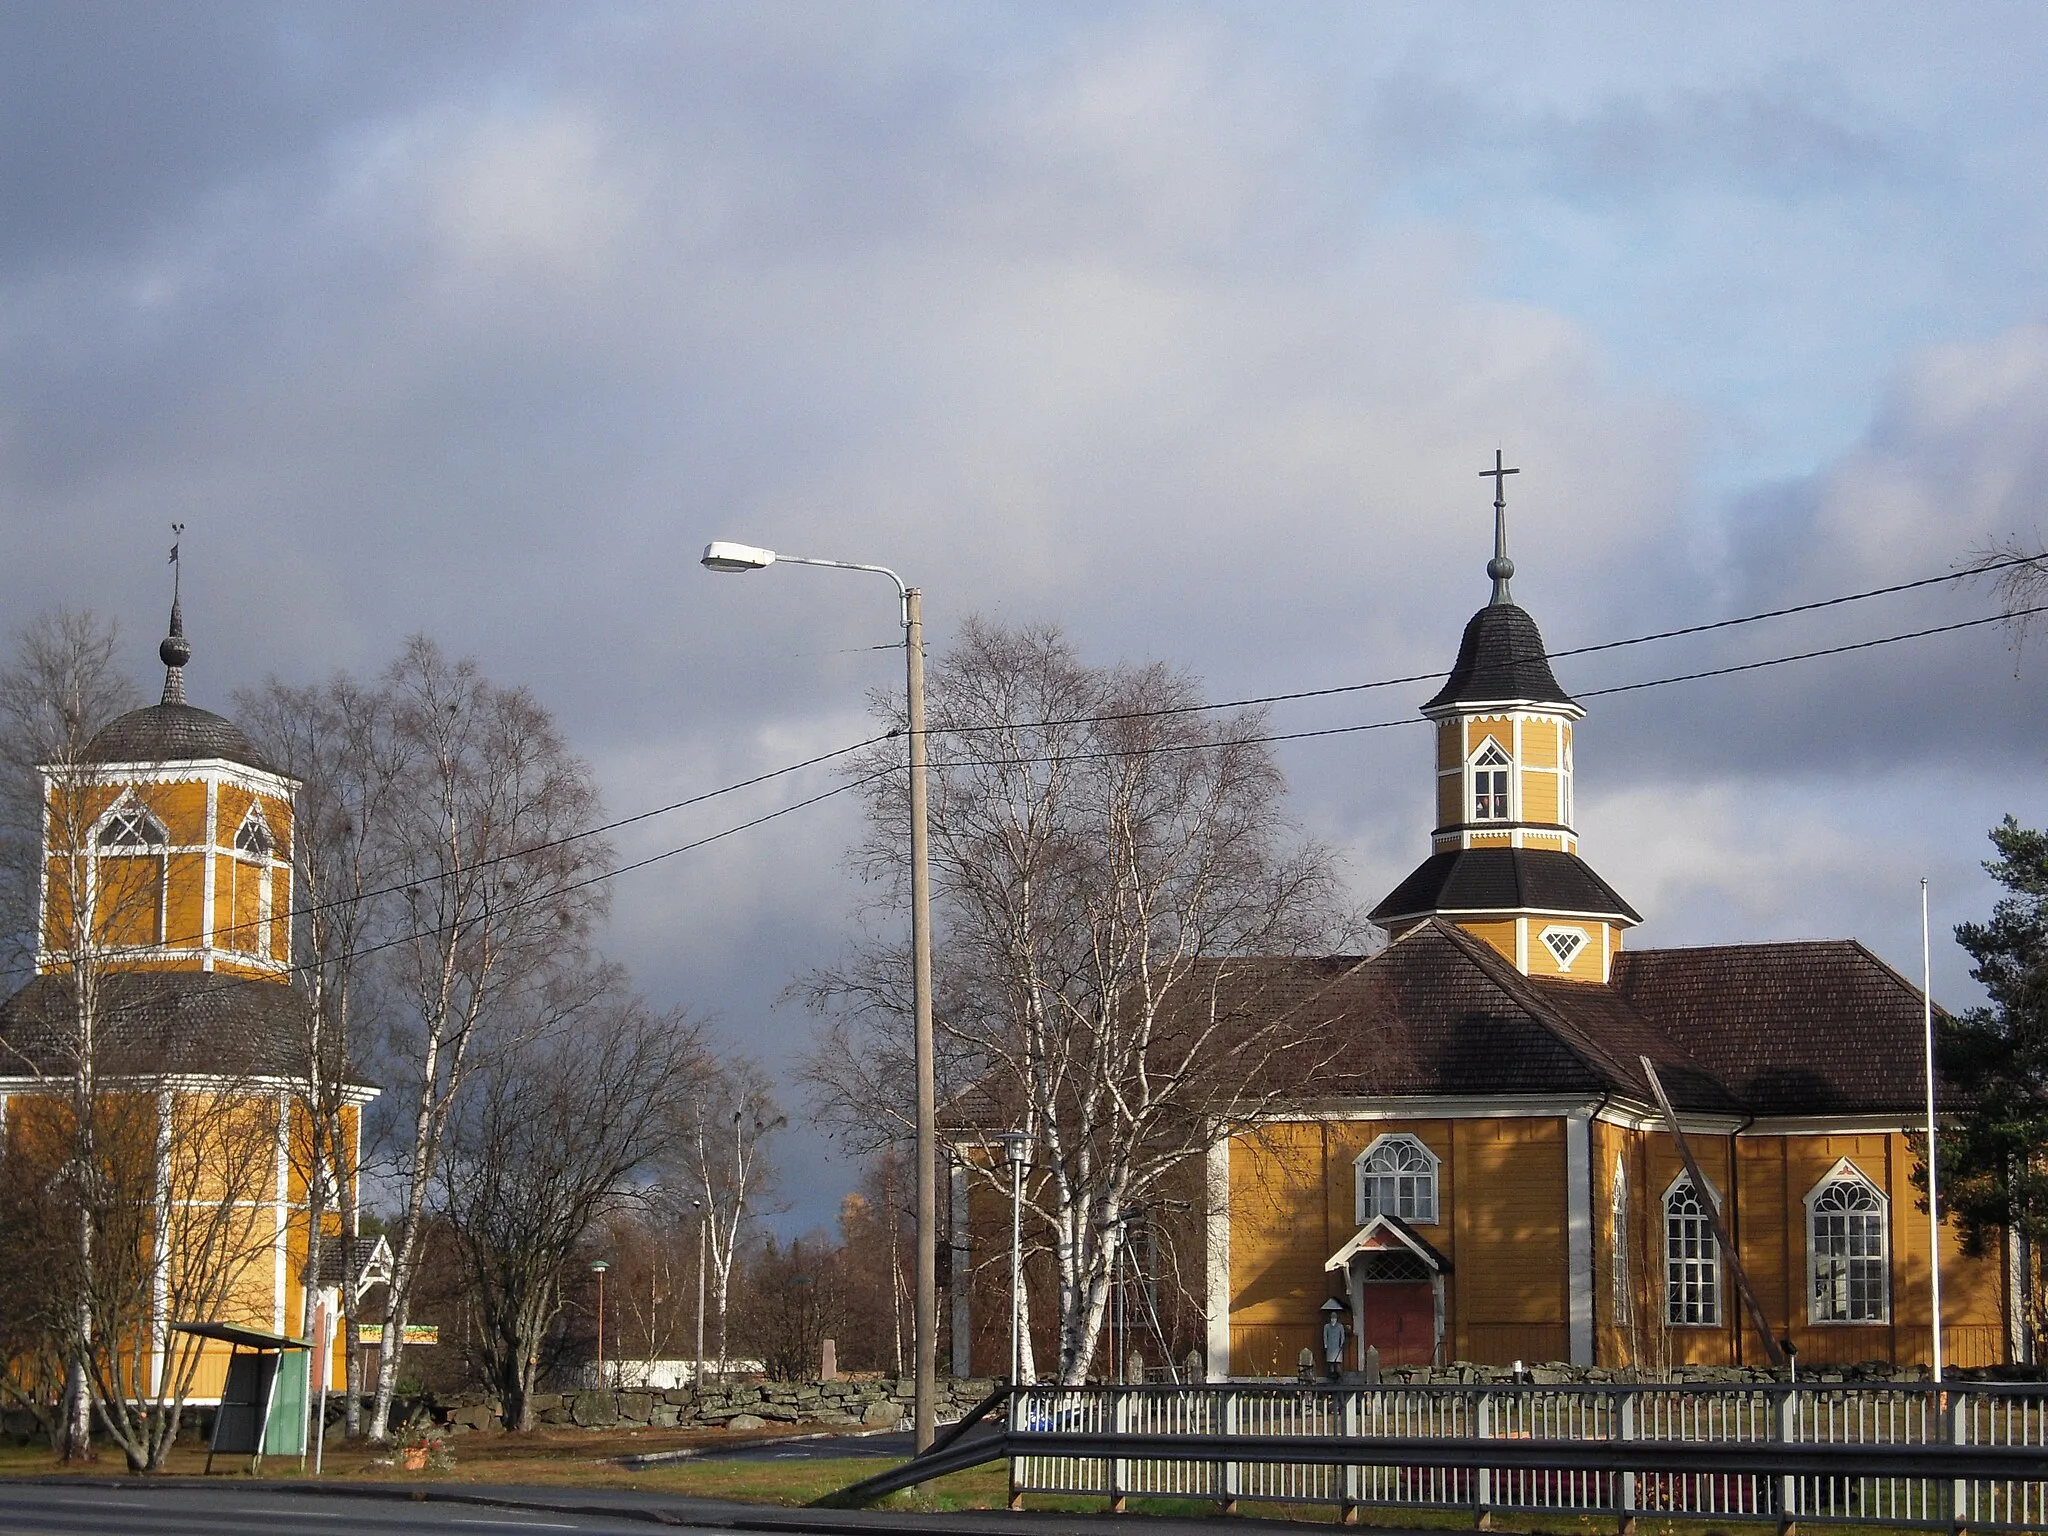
point(1400, 1320)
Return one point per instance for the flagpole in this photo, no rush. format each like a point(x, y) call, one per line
point(1933, 1179)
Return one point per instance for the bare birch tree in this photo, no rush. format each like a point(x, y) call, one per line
point(722, 1160)
point(487, 832)
point(339, 740)
point(546, 1141)
point(1107, 856)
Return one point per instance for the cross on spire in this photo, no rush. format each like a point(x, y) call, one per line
point(1500, 567)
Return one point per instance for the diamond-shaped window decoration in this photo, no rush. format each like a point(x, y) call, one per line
point(1491, 756)
point(1564, 943)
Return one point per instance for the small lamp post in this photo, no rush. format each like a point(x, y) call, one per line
point(597, 1268)
point(1016, 1148)
point(703, 1235)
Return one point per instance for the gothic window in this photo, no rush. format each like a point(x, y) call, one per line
point(1397, 1177)
point(1619, 1239)
point(1846, 1247)
point(249, 902)
point(254, 838)
point(1692, 1259)
point(1490, 784)
point(130, 872)
point(1563, 943)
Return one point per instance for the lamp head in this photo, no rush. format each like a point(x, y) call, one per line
point(1016, 1147)
point(724, 555)
point(598, 1266)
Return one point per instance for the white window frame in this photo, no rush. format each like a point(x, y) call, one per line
point(129, 808)
point(1474, 767)
point(1623, 1299)
point(1428, 1179)
point(1701, 1234)
point(259, 863)
point(1842, 1290)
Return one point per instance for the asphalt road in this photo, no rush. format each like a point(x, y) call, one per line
point(112, 1507)
point(31, 1509)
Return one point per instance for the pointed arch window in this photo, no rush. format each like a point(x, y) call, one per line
point(254, 836)
point(1692, 1259)
point(130, 874)
point(249, 899)
point(1847, 1249)
point(1623, 1298)
point(1490, 783)
point(1396, 1176)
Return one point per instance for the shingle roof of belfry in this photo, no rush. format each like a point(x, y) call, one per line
point(1808, 1028)
point(1500, 660)
point(151, 1022)
point(1504, 880)
point(173, 733)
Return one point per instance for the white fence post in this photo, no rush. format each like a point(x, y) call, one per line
point(1625, 1482)
point(1482, 1477)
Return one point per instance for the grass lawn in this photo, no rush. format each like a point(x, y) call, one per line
point(574, 1458)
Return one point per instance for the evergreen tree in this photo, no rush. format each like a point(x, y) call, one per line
point(1995, 1153)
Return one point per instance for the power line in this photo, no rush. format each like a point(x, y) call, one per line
point(1266, 739)
point(1582, 650)
point(1383, 725)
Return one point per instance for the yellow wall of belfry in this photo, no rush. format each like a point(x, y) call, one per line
point(234, 1160)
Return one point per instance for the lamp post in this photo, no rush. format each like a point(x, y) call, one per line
point(597, 1268)
point(725, 556)
point(1017, 1148)
point(703, 1233)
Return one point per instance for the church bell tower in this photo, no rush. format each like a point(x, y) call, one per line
point(1504, 862)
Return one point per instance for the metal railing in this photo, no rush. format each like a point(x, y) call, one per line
point(1956, 1456)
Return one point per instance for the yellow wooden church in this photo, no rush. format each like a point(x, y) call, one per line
point(164, 988)
point(1487, 1175)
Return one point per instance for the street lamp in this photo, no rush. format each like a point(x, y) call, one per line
point(722, 555)
point(703, 1232)
point(1017, 1148)
point(597, 1268)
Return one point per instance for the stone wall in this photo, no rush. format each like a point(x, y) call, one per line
point(880, 1403)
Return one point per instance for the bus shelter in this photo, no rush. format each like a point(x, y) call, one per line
point(263, 1403)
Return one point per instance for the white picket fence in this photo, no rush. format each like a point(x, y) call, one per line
point(1681, 1457)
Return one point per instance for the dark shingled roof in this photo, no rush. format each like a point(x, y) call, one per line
point(1756, 1029)
point(173, 733)
point(1822, 1027)
point(1504, 880)
point(159, 1022)
point(1500, 660)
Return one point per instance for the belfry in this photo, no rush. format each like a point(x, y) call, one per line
point(163, 1035)
point(1504, 863)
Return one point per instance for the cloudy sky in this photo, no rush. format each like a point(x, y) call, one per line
point(1187, 326)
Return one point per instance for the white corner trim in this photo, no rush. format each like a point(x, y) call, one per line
point(1216, 1261)
point(1578, 1176)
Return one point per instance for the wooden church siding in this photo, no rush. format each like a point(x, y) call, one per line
point(1450, 800)
point(1278, 1232)
point(1539, 796)
point(1508, 1235)
point(1539, 744)
point(1501, 936)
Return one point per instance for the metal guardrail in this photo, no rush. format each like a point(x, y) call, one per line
point(1971, 1456)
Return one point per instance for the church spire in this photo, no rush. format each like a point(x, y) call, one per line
point(175, 650)
point(1500, 567)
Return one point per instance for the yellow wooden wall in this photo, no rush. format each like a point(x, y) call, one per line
point(1502, 1222)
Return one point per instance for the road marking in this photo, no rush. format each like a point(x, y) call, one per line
point(111, 1503)
point(526, 1525)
